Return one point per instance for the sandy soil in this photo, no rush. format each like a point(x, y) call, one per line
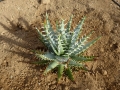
point(18, 36)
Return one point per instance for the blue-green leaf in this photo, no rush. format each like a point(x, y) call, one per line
point(82, 58)
point(62, 58)
point(86, 46)
point(60, 71)
point(46, 56)
point(60, 45)
point(75, 64)
point(82, 40)
point(69, 74)
point(43, 38)
point(51, 35)
point(75, 47)
point(68, 33)
point(63, 33)
point(69, 25)
point(76, 32)
point(51, 66)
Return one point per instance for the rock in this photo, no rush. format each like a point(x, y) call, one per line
point(104, 72)
point(38, 83)
point(115, 31)
point(11, 77)
point(45, 1)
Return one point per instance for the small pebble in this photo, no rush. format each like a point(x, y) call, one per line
point(104, 72)
point(38, 83)
point(115, 31)
point(11, 77)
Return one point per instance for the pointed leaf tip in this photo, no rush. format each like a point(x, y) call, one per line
point(69, 74)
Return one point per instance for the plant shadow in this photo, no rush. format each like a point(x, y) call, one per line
point(22, 38)
point(1, 0)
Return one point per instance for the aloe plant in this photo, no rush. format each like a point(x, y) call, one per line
point(65, 48)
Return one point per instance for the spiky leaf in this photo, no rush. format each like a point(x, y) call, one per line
point(69, 25)
point(75, 47)
point(68, 32)
point(84, 47)
point(60, 45)
point(51, 66)
point(50, 35)
point(75, 63)
point(69, 74)
point(43, 38)
point(62, 58)
point(64, 47)
point(77, 32)
point(82, 58)
point(46, 56)
point(60, 71)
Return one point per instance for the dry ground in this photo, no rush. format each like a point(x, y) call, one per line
point(18, 36)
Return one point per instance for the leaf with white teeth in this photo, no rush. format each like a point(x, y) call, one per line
point(77, 32)
point(60, 45)
point(64, 47)
point(79, 44)
point(82, 58)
